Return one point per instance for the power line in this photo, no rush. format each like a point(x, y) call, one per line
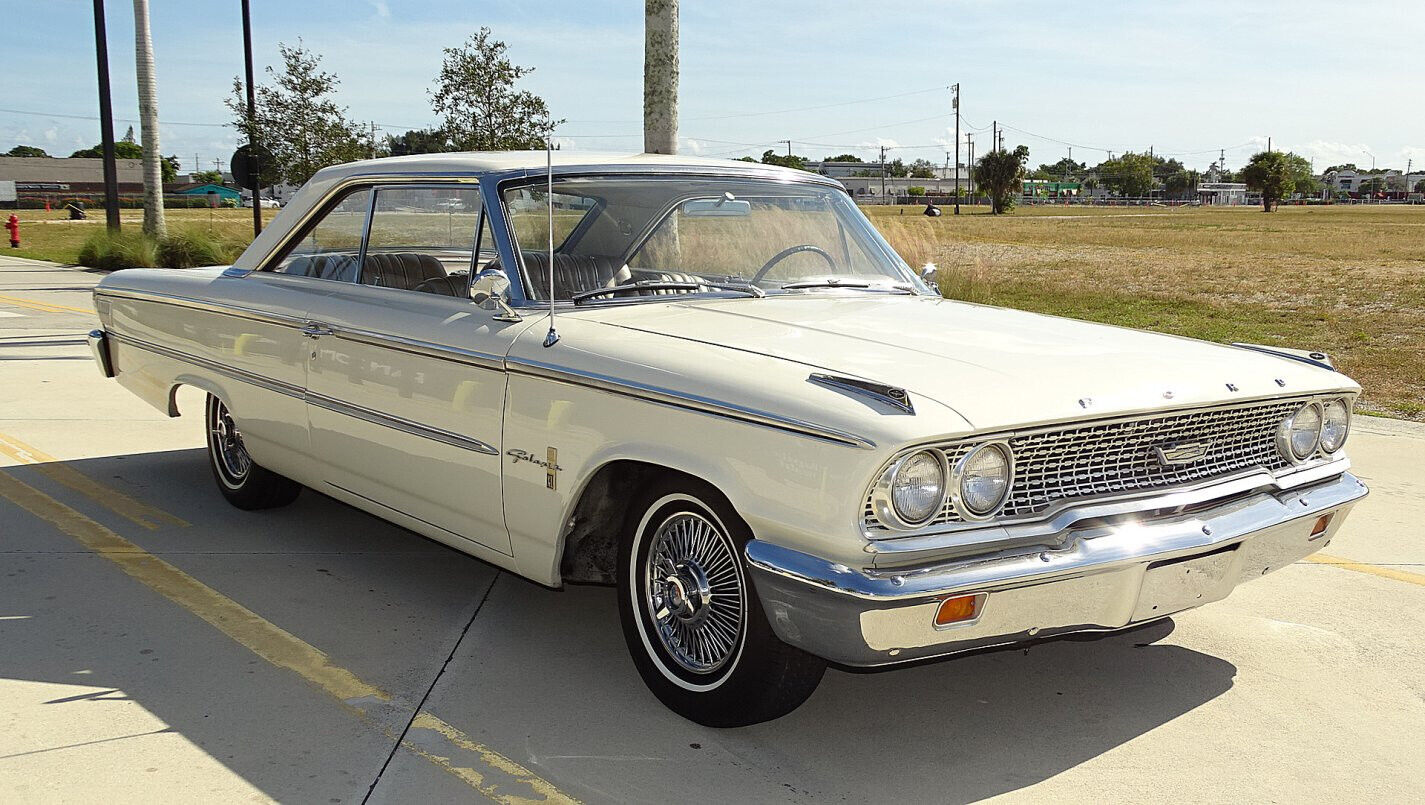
point(782, 111)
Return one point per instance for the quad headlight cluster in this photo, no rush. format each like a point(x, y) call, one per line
point(914, 488)
point(1317, 425)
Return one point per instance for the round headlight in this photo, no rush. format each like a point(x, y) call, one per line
point(982, 480)
point(1335, 423)
point(1300, 432)
point(918, 487)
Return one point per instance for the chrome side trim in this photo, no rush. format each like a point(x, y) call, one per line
point(239, 311)
point(319, 400)
point(896, 398)
point(413, 346)
point(690, 402)
point(99, 346)
point(399, 423)
point(223, 369)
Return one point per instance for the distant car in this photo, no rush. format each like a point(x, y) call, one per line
point(265, 203)
point(714, 385)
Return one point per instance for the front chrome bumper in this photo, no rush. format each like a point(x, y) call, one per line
point(1108, 575)
point(99, 347)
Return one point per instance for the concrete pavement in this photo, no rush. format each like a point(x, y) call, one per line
point(157, 644)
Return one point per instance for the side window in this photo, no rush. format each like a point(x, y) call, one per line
point(331, 247)
point(422, 238)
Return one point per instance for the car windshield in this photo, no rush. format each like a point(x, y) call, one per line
point(645, 235)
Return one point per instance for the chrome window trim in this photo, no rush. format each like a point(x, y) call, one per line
point(676, 399)
point(319, 400)
point(1051, 513)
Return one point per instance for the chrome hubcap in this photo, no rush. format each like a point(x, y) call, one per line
point(694, 592)
point(227, 443)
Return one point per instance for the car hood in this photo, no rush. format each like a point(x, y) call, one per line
point(997, 368)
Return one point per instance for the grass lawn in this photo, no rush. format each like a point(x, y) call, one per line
point(1348, 280)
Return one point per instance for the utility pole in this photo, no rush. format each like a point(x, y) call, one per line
point(106, 121)
point(1269, 145)
point(957, 148)
point(660, 76)
point(883, 174)
point(789, 146)
point(253, 162)
point(994, 135)
point(373, 139)
point(970, 161)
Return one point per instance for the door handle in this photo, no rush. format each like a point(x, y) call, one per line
point(314, 329)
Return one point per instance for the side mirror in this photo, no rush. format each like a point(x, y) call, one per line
point(929, 273)
point(491, 291)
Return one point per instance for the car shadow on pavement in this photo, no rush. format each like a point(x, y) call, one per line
point(542, 676)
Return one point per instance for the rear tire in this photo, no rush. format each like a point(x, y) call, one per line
point(243, 482)
point(691, 618)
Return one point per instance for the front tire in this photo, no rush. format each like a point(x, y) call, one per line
point(246, 484)
point(693, 623)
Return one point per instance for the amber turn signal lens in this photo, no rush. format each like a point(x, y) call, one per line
point(959, 609)
point(1320, 528)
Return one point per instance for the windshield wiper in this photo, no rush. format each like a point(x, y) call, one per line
point(834, 282)
point(666, 285)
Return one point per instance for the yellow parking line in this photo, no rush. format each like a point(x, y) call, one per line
point(1374, 570)
point(44, 307)
point(139, 512)
point(280, 647)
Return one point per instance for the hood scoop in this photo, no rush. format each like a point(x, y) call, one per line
point(893, 396)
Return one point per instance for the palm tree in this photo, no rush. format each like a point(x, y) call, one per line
point(660, 76)
point(153, 222)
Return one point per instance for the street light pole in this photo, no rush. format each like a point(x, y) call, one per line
point(254, 164)
point(106, 121)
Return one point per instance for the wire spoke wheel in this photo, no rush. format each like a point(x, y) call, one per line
point(227, 444)
point(694, 592)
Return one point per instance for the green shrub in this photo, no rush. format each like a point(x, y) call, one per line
point(128, 249)
point(191, 249)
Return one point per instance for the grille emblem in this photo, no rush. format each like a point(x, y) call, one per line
point(1183, 452)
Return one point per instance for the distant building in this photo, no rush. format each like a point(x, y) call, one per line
point(1222, 193)
point(868, 187)
point(190, 189)
point(74, 175)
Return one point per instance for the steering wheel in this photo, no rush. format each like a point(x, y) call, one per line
point(788, 252)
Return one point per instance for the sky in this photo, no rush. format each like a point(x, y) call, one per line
point(1335, 82)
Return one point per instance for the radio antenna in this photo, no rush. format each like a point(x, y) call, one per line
point(552, 337)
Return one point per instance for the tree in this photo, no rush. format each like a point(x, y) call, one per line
point(153, 178)
point(922, 169)
point(1420, 186)
point(747, 159)
point(1269, 173)
point(482, 110)
point(1371, 186)
point(915, 190)
point(122, 150)
point(208, 177)
point(897, 169)
point(26, 151)
point(418, 141)
point(1064, 167)
point(1303, 180)
point(660, 77)
point(168, 168)
point(1128, 175)
point(1180, 183)
point(1000, 174)
point(843, 158)
point(296, 120)
point(770, 157)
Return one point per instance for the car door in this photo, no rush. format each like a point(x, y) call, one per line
point(406, 380)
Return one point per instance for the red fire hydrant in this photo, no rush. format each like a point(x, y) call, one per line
point(13, 224)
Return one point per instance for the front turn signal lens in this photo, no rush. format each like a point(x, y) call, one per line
point(959, 609)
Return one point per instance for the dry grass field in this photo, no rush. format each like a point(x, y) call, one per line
point(1347, 280)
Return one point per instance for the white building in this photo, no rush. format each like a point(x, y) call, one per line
point(1222, 193)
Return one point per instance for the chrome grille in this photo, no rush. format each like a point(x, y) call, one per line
point(1091, 460)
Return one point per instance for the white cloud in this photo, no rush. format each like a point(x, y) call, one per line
point(382, 10)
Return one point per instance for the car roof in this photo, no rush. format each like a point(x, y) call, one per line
point(483, 163)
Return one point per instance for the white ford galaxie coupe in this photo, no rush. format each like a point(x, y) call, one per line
point(714, 385)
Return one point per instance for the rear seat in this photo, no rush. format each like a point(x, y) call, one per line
point(404, 270)
point(339, 267)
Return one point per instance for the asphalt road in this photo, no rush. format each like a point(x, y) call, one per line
point(157, 644)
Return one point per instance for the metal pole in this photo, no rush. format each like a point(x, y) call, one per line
point(106, 121)
point(254, 165)
point(957, 149)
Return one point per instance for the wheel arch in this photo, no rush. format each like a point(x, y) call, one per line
point(589, 540)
